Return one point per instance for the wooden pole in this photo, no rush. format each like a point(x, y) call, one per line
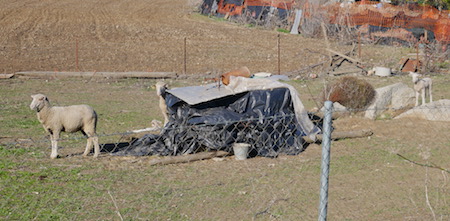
point(359, 45)
point(417, 57)
point(344, 56)
point(76, 56)
point(336, 135)
point(327, 43)
point(185, 56)
point(48, 74)
point(279, 58)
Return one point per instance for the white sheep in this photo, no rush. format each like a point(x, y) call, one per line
point(68, 119)
point(421, 86)
point(161, 88)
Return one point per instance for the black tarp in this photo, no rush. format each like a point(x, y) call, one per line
point(263, 118)
point(261, 12)
point(207, 6)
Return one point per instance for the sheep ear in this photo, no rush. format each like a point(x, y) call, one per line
point(42, 98)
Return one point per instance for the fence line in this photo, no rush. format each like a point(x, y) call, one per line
point(237, 124)
point(77, 55)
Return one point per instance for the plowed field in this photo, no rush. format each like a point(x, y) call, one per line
point(141, 35)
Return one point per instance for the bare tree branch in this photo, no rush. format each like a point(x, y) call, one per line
point(424, 165)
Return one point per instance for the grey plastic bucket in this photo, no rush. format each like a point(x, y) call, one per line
point(240, 150)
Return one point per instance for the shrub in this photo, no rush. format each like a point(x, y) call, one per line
point(353, 93)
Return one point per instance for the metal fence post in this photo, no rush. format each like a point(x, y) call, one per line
point(326, 143)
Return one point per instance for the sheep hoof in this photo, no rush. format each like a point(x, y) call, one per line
point(54, 156)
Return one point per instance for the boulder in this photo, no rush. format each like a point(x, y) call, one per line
point(339, 110)
point(434, 111)
point(395, 96)
point(337, 107)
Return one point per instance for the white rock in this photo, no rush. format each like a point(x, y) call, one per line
point(435, 111)
point(394, 96)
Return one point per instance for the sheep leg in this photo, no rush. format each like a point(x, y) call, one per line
point(92, 142)
point(417, 98)
point(54, 139)
point(88, 146)
point(163, 107)
point(423, 96)
point(430, 94)
point(96, 146)
point(166, 119)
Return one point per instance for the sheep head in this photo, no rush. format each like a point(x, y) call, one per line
point(161, 88)
point(39, 101)
point(415, 76)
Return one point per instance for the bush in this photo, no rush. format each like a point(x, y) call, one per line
point(353, 93)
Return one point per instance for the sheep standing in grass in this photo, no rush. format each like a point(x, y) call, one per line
point(161, 88)
point(68, 119)
point(421, 86)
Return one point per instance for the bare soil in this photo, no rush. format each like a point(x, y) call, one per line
point(146, 36)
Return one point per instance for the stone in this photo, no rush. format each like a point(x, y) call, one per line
point(395, 96)
point(434, 111)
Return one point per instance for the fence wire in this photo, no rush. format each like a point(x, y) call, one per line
point(268, 136)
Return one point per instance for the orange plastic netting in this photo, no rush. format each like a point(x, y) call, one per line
point(389, 16)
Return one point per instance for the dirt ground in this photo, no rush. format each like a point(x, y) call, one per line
point(146, 36)
point(369, 182)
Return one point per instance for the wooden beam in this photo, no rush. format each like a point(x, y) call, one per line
point(53, 74)
point(5, 76)
point(336, 135)
point(345, 56)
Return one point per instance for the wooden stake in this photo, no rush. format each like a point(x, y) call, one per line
point(76, 56)
point(327, 43)
point(279, 59)
point(359, 45)
point(185, 55)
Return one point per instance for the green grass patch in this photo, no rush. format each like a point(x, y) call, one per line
point(282, 30)
point(46, 193)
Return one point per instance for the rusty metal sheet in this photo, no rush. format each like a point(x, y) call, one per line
point(410, 65)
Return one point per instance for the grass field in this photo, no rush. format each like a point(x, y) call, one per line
point(368, 180)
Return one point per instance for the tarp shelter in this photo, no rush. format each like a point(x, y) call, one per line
point(265, 113)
